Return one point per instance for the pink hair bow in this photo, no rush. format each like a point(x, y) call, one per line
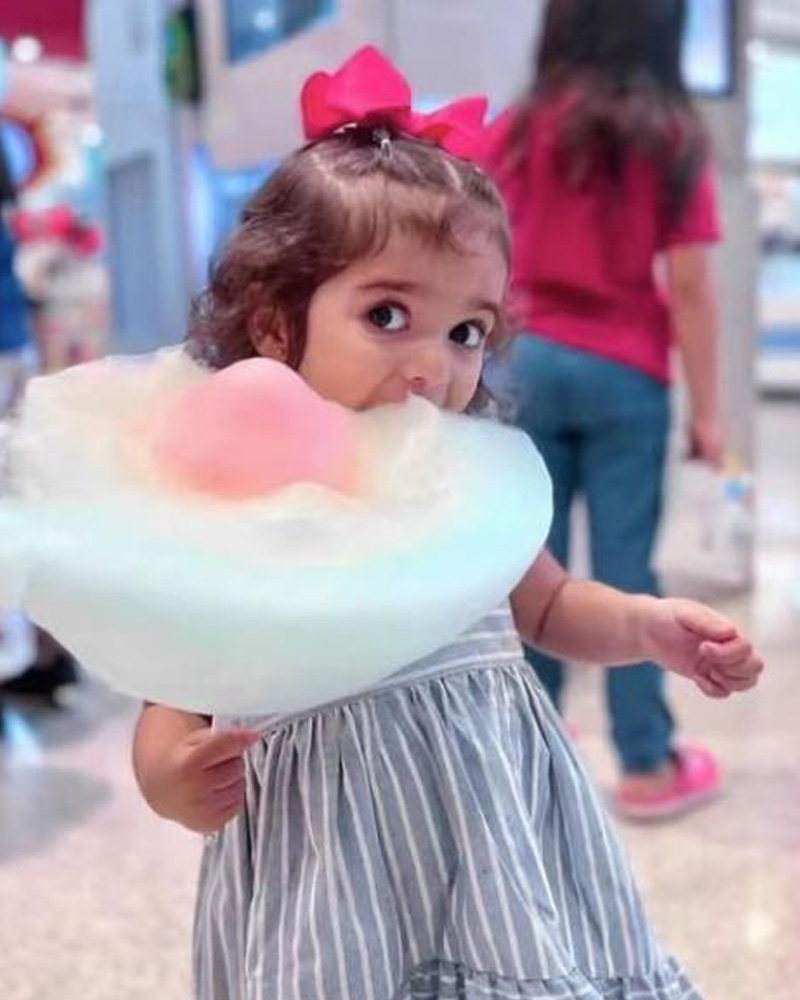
point(369, 90)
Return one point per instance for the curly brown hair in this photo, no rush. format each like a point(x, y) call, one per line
point(329, 205)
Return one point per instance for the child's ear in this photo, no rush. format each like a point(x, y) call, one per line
point(266, 328)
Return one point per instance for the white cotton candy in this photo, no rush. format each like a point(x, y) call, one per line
point(267, 605)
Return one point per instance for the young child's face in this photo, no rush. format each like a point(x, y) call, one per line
point(411, 320)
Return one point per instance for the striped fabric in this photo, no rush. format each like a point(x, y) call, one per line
point(433, 839)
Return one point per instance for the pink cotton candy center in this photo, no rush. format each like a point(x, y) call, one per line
point(250, 430)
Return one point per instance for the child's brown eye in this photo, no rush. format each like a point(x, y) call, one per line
point(468, 334)
point(388, 317)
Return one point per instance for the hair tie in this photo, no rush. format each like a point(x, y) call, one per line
point(382, 138)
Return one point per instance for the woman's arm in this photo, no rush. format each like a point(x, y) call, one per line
point(586, 621)
point(695, 315)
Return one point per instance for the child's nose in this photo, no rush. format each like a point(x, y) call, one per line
point(428, 369)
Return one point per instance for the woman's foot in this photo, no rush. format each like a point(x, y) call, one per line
point(689, 779)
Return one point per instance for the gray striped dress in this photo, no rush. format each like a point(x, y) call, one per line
point(433, 839)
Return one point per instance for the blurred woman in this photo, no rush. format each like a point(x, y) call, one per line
point(605, 166)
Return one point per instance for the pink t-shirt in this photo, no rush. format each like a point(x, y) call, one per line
point(584, 255)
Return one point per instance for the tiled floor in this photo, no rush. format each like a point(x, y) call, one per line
point(96, 894)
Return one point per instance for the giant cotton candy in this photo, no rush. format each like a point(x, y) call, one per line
point(273, 603)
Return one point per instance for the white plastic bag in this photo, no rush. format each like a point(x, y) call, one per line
point(706, 542)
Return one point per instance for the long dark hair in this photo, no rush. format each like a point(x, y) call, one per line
point(617, 66)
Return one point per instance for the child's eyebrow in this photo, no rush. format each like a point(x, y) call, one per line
point(410, 287)
point(387, 285)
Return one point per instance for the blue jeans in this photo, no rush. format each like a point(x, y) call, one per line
point(602, 429)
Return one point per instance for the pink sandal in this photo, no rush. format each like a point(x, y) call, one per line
point(696, 781)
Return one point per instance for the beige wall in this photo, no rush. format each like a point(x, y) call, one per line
point(251, 110)
point(454, 47)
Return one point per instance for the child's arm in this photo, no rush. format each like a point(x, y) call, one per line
point(187, 771)
point(586, 621)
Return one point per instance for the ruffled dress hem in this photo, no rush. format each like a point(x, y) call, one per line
point(443, 980)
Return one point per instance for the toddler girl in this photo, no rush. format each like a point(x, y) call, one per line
point(434, 836)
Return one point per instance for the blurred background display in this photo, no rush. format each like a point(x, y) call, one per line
point(254, 26)
point(709, 52)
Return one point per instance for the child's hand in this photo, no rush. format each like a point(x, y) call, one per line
point(201, 783)
point(694, 641)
